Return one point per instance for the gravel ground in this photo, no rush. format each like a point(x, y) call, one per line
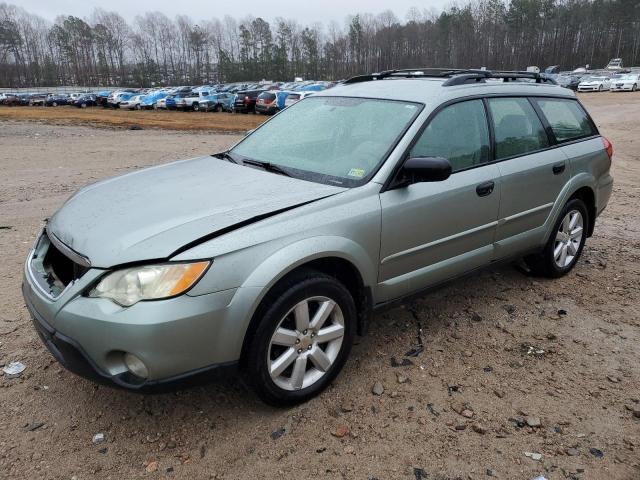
point(519, 376)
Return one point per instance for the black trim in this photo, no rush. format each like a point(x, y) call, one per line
point(453, 76)
point(72, 356)
point(492, 133)
point(551, 137)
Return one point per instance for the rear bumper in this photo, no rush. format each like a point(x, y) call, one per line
point(266, 108)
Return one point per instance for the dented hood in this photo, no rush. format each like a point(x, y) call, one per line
point(152, 213)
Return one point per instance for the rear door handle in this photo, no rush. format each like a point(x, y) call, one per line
point(559, 168)
point(485, 188)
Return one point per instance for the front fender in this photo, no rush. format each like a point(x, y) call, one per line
point(296, 254)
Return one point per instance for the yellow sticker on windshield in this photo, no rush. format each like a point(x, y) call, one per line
point(356, 172)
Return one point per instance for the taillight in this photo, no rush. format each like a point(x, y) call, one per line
point(608, 147)
point(246, 99)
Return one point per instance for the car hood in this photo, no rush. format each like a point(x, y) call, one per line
point(153, 213)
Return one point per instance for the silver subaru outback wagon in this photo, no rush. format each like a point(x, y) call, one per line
point(269, 257)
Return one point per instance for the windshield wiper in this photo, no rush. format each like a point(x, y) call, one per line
point(227, 156)
point(269, 167)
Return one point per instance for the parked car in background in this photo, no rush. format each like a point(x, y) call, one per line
point(218, 102)
point(625, 82)
point(37, 99)
point(9, 99)
point(119, 96)
point(86, 100)
point(295, 97)
point(192, 100)
point(161, 103)
point(73, 96)
point(175, 99)
point(245, 101)
point(267, 103)
point(594, 83)
point(568, 81)
point(614, 64)
point(151, 100)
point(133, 103)
point(56, 99)
point(23, 99)
point(102, 98)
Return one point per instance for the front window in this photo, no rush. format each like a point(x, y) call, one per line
point(458, 133)
point(337, 140)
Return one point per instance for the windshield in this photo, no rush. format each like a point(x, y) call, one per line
point(338, 140)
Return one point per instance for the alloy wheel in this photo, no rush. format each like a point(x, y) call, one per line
point(306, 343)
point(568, 239)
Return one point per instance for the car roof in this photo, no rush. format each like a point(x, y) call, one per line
point(429, 90)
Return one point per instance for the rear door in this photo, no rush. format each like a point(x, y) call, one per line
point(532, 173)
point(434, 231)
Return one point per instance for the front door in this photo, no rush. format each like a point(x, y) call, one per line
point(435, 231)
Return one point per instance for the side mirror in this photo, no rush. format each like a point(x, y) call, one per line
point(426, 169)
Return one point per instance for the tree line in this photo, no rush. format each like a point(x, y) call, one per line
point(153, 49)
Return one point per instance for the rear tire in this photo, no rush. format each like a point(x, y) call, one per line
point(562, 251)
point(195, 107)
point(297, 365)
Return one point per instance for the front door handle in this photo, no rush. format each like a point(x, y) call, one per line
point(485, 188)
point(559, 168)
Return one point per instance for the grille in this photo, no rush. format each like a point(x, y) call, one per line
point(60, 269)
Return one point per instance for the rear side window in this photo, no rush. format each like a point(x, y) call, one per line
point(517, 128)
point(567, 118)
point(459, 133)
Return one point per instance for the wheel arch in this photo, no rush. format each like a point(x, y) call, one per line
point(580, 186)
point(350, 266)
point(587, 195)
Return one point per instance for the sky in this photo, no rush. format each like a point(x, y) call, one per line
point(305, 12)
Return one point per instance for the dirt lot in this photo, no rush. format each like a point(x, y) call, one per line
point(582, 382)
point(171, 120)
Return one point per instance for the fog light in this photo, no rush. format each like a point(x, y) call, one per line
point(135, 365)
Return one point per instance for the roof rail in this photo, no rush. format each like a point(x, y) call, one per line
point(455, 76)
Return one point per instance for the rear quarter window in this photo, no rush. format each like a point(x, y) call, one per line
point(567, 119)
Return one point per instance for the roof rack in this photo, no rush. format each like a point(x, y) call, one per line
point(454, 76)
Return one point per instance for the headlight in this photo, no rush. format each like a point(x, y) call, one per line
point(150, 282)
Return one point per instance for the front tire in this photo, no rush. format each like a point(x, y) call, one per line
point(304, 336)
point(562, 251)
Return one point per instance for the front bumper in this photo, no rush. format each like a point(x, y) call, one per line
point(621, 88)
point(186, 337)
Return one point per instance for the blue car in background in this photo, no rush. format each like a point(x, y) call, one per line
point(150, 101)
